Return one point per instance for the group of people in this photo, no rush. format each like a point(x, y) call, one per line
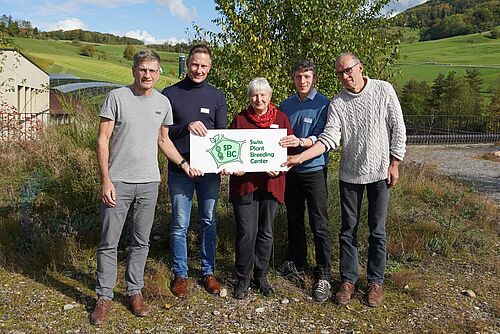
point(136, 120)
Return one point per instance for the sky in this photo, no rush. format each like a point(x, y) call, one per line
point(152, 21)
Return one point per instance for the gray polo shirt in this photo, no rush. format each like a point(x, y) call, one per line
point(134, 143)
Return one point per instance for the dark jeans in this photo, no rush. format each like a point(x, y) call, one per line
point(254, 213)
point(310, 188)
point(351, 196)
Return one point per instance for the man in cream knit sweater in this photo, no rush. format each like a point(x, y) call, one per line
point(366, 116)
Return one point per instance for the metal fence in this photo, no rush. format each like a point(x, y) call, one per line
point(15, 126)
point(451, 129)
point(448, 129)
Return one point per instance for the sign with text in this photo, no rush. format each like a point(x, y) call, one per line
point(249, 150)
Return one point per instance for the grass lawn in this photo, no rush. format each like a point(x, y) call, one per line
point(63, 57)
point(425, 60)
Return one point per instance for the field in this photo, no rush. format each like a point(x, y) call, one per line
point(63, 57)
point(419, 61)
point(425, 60)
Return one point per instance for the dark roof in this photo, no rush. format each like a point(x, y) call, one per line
point(62, 76)
point(68, 88)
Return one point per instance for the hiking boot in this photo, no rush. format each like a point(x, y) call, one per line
point(101, 310)
point(321, 290)
point(211, 284)
point(139, 307)
point(343, 296)
point(241, 288)
point(374, 295)
point(179, 286)
point(263, 286)
point(288, 269)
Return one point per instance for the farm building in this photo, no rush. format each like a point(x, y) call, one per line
point(24, 93)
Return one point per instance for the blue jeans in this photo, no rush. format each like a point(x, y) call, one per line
point(351, 196)
point(181, 189)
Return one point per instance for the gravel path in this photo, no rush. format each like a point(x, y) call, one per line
point(463, 161)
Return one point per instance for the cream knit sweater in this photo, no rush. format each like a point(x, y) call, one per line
point(372, 129)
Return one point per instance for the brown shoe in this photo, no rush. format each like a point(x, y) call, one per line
point(343, 296)
point(211, 284)
point(179, 286)
point(374, 295)
point(139, 307)
point(101, 310)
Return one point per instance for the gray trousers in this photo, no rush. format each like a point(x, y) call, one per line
point(350, 202)
point(142, 198)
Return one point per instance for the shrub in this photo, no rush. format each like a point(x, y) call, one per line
point(495, 32)
point(87, 50)
point(128, 53)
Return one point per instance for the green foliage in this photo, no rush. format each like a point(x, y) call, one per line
point(129, 52)
point(448, 95)
point(87, 50)
point(445, 18)
point(414, 97)
point(90, 37)
point(267, 38)
point(76, 42)
point(495, 33)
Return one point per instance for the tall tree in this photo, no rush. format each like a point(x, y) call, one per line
point(128, 53)
point(473, 77)
point(414, 97)
point(266, 38)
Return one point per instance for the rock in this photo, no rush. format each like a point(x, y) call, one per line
point(215, 312)
point(469, 293)
point(223, 292)
point(407, 287)
point(285, 301)
point(68, 307)
point(260, 309)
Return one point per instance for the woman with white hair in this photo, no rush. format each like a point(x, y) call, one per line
point(256, 196)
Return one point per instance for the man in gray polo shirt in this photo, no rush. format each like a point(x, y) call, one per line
point(135, 119)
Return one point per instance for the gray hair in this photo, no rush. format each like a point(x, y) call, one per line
point(352, 55)
point(145, 55)
point(259, 84)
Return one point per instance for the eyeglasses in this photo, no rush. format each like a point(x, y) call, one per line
point(347, 71)
point(144, 71)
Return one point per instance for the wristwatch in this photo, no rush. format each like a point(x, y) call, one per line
point(301, 142)
point(179, 165)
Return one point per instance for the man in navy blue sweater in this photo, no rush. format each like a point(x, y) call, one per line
point(196, 107)
point(307, 111)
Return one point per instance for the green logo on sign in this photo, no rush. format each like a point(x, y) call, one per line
point(225, 150)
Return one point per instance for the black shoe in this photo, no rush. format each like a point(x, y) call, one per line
point(241, 288)
point(321, 290)
point(263, 286)
point(288, 269)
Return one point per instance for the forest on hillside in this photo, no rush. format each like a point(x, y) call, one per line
point(9, 26)
point(446, 18)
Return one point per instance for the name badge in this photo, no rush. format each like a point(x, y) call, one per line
point(204, 110)
point(308, 120)
point(274, 126)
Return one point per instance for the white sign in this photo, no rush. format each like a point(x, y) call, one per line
point(249, 150)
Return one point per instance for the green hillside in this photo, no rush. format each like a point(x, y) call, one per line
point(425, 60)
point(63, 57)
point(419, 61)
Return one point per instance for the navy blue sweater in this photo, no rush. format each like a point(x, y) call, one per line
point(193, 102)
